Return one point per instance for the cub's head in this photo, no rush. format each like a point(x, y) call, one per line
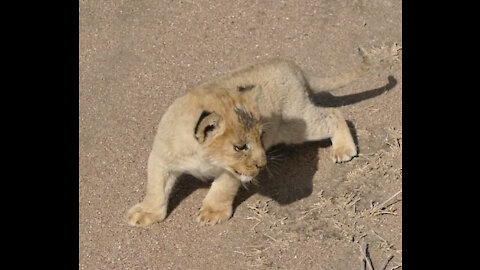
point(230, 129)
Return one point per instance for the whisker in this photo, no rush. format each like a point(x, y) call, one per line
point(275, 158)
point(274, 151)
point(270, 175)
point(266, 122)
point(276, 172)
point(274, 169)
point(275, 155)
point(276, 164)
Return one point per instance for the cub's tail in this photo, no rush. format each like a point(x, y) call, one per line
point(319, 84)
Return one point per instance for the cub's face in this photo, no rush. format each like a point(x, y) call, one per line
point(232, 139)
point(239, 150)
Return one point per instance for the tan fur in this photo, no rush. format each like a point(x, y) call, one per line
point(270, 98)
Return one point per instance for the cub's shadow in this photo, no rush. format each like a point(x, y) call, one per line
point(326, 99)
point(289, 173)
point(184, 186)
point(288, 177)
point(290, 169)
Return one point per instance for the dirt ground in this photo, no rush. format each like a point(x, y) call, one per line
point(136, 57)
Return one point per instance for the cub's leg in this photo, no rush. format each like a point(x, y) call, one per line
point(343, 146)
point(325, 123)
point(217, 205)
point(153, 208)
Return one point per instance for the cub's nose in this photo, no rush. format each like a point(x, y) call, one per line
point(261, 164)
point(261, 160)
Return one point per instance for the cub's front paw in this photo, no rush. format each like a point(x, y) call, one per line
point(212, 216)
point(343, 153)
point(140, 215)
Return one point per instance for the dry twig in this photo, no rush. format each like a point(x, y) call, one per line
point(380, 206)
point(366, 256)
point(395, 267)
point(386, 263)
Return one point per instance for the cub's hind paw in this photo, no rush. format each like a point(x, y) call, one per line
point(343, 153)
point(210, 216)
point(140, 216)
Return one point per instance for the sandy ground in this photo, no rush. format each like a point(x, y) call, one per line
point(136, 57)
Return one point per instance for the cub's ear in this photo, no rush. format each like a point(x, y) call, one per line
point(250, 92)
point(209, 125)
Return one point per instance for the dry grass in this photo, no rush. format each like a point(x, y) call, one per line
point(385, 54)
point(262, 216)
point(352, 215)
point(367, 261)
point(260, 208)
point(355, 224)
point(379, 209)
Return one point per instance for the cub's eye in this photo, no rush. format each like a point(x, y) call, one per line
point(240, 148)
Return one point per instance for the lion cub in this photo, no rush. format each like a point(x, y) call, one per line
point(218, 131)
